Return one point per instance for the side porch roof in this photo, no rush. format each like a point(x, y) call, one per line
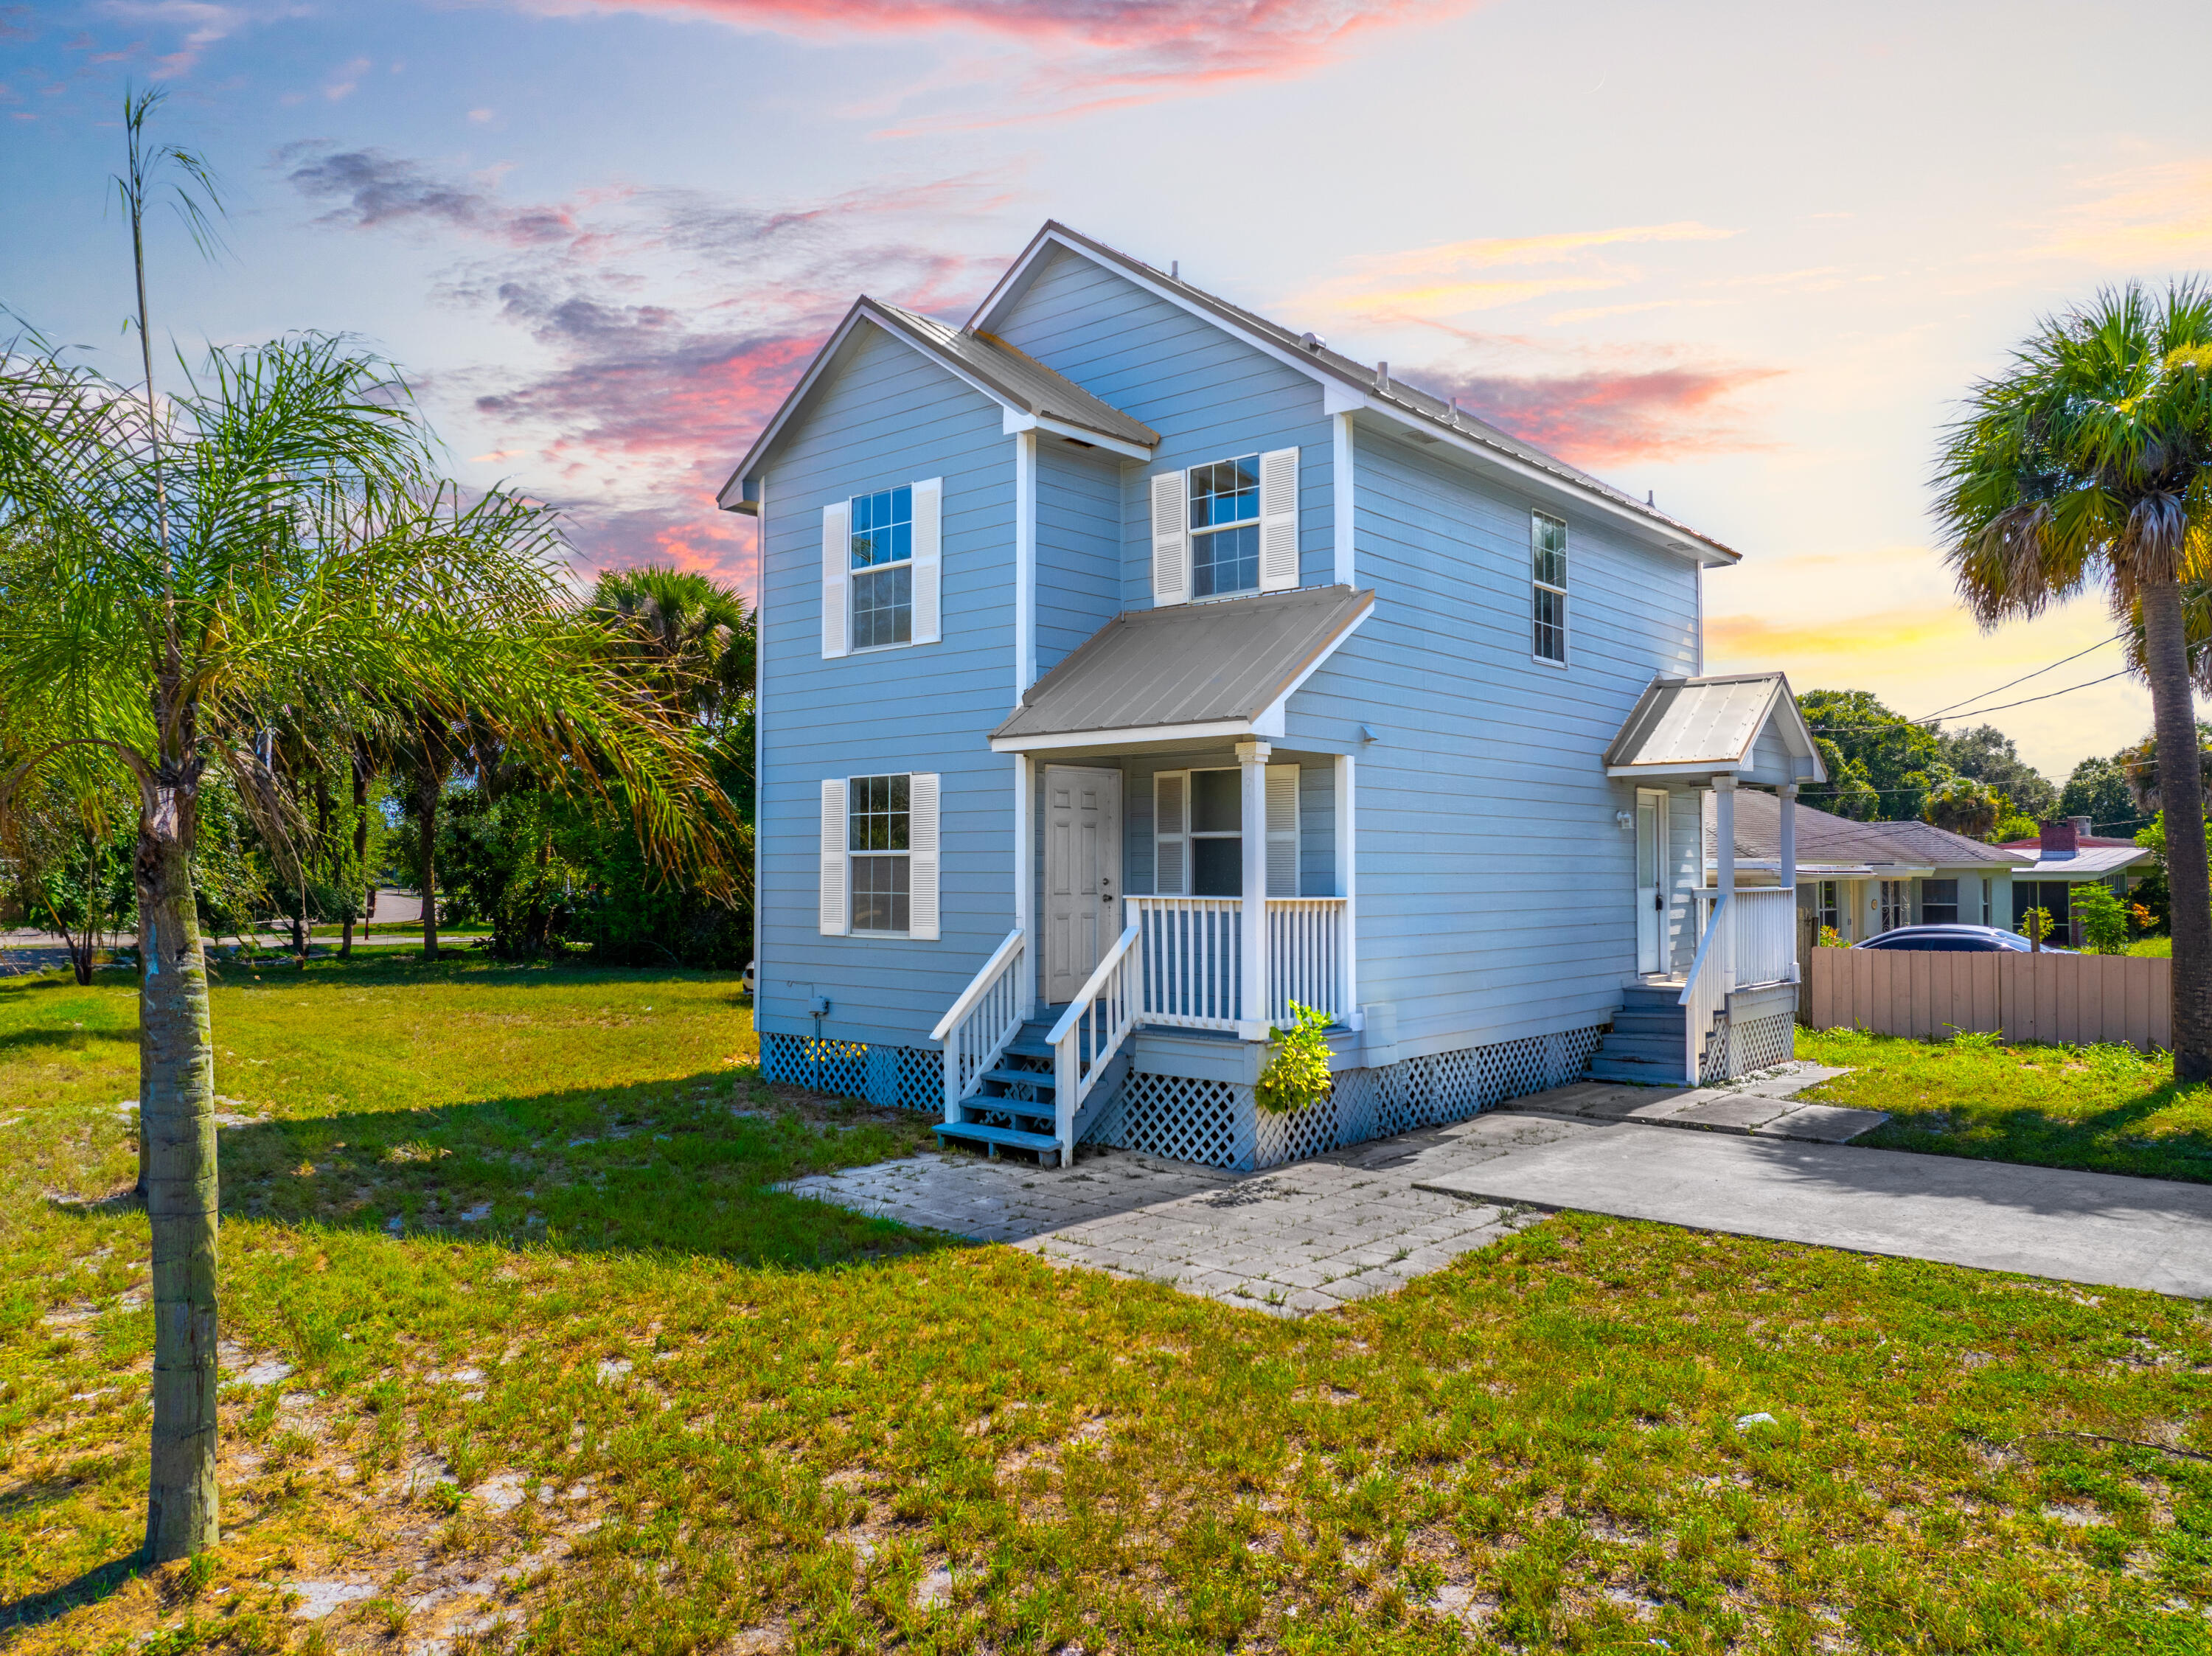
point(1187, 669)
point(1745, 725)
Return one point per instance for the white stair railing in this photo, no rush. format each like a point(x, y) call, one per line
point(1090, 1032)
point(988, 1014)
point(1712, 974)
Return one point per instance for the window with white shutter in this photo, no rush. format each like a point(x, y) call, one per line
point(833, 856)
point(1224, 527)
point(1279, 520)
point(1170, 831)
point(1171, 541)
point(836, 568)
point(1282, 830)
point(923, 789)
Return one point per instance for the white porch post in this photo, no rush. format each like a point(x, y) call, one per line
point(1347, 887)
point(1026, 879)
point(1788, 794)
point(1252, 1015)
point(1724, 870)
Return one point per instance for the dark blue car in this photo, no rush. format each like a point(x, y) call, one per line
point(1955, 940)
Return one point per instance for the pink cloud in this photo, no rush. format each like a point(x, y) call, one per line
point(1601, 417)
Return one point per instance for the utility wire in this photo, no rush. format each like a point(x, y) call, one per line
point(2069, 690)
point(2022, 679)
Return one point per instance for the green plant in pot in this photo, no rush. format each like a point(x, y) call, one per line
point(1297, 1075)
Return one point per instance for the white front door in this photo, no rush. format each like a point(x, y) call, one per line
point(1082, 874)
point(1650, 881)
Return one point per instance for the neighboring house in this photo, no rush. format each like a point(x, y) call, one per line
point(1133, 667)
point(1865, 878)
point(2065, 856)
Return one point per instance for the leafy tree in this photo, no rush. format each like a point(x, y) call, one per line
point(1881, 764)
point(2097, 789)
point(1987, 753)
point(1964, 806)
point(2088, 461)
point(2017, 827)
point(274, 531)
point(2138, 764)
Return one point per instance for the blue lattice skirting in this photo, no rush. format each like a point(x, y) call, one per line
point(897, 1077)
point(1217, 1122)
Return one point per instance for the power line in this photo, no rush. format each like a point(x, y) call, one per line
point(2022, 679)
point(2069, 690)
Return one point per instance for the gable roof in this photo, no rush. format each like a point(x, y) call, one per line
point(1363, 383)
point(1031, 393)
point(1186, 669)
point(1706, 725)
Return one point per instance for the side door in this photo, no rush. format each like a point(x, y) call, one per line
point(1082, 874)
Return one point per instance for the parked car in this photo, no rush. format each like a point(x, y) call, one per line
point(1956, 940)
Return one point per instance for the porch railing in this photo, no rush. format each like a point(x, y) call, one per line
point(1745, 939)
point(1190, 960)
point(1089, 1033)
point(1765, 936)
point(988, 1014)
point(1705, 989)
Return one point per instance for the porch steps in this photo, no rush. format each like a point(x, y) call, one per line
point(1645, 1045)
point(996, 1116)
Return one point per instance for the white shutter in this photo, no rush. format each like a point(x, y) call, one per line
point(1171, 541)
point(1171, 833)
point(1279, 520)
point(833, 856)
point(921, 840)
point(836, 580)
point(1282, 830)
point(928, 512)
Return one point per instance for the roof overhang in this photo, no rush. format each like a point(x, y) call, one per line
point(742, 492)
point(1342, 392)
point(1711, 727)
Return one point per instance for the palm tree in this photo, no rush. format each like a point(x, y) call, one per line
point(2090, 460)
point(694, 634)
point(274, 530)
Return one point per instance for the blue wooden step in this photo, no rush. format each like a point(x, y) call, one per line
point(998, 1138)
point(1036, 1080)
point(1638, 1072)
point(985, 1104)
point(1028, 1046)
point(1653, 1048)
point(1631, 1021)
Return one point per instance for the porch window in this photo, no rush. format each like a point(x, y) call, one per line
point(880, 823)
point(1547, 543)
point(1896, 905)
point(1224, 531)
point(1217, 837)
point(1198, 833)
point(1939, 902)
point(882, 569)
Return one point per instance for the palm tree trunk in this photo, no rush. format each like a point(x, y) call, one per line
point(176, 1117)
point(428, 843)
point(2181, 789)
point(359, 844)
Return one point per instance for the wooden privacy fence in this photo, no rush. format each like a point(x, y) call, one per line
point(2077, 999)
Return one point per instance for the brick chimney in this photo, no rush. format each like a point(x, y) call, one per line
point(2062, 836)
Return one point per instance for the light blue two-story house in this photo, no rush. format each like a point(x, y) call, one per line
point(1133, 668)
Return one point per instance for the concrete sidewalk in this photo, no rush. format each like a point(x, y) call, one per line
point(2094, 1228)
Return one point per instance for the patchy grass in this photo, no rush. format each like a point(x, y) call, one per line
point(2105, 1107)
point(684, 1415)
point(2160, 949)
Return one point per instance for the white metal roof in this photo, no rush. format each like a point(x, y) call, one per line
point(2090, 863)
point(1712, 727)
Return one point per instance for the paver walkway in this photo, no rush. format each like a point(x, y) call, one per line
point(1291, 1240)
point(2097, 1227)
point(1762, 1107)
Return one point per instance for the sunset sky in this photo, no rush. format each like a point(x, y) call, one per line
point(1742, 256)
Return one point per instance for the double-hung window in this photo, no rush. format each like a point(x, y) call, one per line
point(1896, 905)
point(1224, 527)
point(1547, 548)
point(1827, 906)
point(883, 568)
point(879, 861)
point(1939, 902)
point(879, 822)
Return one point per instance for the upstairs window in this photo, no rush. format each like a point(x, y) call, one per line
point(1547, 545)
point(882, 569)
point(1224, 527)
point(879, 824)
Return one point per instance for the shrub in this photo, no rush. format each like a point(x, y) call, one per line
point(2100, 920)
point(1298, 1064)
point(2035, 925)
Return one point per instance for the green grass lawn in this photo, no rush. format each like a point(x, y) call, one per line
point(2153, 947)
point(640, 1402)
point(2105, 1107)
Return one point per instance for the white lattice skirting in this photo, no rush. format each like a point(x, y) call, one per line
point(1738, 1046)
point(897, 1077)
point(1217, 1122)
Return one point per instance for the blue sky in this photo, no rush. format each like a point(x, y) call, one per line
point(1743, 256)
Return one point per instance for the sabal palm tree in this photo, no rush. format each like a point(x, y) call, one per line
point(2088, 461)
point(291, 538)
point(694, 633)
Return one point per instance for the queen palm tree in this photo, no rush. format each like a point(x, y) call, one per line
point(273, 534)
point(2089, 461)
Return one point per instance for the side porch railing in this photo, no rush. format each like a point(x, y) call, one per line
point(1746, 939)
point(988, 1014)
point(1191, 967)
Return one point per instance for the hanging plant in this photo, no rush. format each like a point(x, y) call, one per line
point(1297, 1075)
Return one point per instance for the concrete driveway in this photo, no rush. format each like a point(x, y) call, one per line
point(2095, 1228)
